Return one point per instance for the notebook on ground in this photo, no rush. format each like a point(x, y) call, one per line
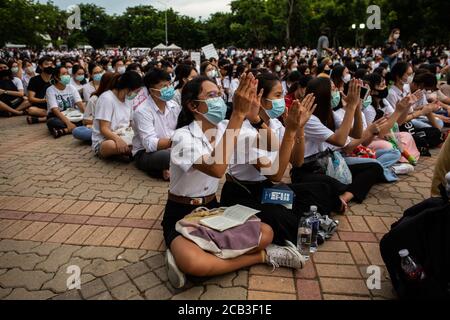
point(232, 217)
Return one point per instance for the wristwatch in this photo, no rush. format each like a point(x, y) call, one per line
point(258, 125)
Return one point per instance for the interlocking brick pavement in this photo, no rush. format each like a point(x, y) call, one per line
point(62, 206)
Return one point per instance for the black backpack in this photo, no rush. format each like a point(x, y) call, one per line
point(424, 138)
point(424, 230)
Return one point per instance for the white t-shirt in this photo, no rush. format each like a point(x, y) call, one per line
point(18, 83)
point(189, 144)
point(88, 89)
point(62, 99)
point(79, 87)
point(110, 108)
point(316, 136)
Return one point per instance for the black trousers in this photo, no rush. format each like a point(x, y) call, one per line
point(283, 221)
point(54, 122)
point(153, 163)
point(364, 177)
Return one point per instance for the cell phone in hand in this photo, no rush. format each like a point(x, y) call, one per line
point(364, 93)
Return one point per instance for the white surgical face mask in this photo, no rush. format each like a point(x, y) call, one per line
point(347, 78)
point(396, 36)
point(121, 70)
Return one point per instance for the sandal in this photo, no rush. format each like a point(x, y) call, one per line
point(56, 133)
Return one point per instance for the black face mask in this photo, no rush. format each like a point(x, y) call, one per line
point(382, 94)
point(48, 70)
point(328, 72)
point(5, 73)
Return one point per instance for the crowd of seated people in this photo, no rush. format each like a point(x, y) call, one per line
point(377, 116)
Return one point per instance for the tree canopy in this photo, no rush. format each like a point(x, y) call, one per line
point(251, 23)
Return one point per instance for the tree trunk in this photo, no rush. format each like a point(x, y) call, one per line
point(291, 5)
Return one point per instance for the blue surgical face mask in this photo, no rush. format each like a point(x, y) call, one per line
point(79, 78)
point(367, 102)
point(97, 77)
point(132, 95)
point(278, 107)
point(65, 79)
point(217, 110)
point(167, 93)
point(335, 99)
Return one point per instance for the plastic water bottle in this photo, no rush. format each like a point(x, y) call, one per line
point(315, 224)
point(412, 270)
point(304, 237)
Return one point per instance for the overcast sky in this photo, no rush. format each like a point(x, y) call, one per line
point(193, 8)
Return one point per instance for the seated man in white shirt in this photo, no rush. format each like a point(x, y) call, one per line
point(154, 123)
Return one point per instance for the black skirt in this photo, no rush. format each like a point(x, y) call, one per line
point(283, 221)
point(174, 212)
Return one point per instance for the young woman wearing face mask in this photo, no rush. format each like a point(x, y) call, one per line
point(403, 77)
point(84, 133)
point(78, 79)
point(154, 123)
point(11, 93)
point(393, 47)
point(194, 178)
point(96, 72)
point(62, 96)
point(113, 111)
point(321, 134)
point(184, 74)
point(340, 77)
point(257, 167)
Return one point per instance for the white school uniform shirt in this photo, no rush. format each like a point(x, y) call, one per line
point(245, 156)
point(316, 136)
point(150, 124)
point(89, 111)
point(189, 144)
point(111, 109)
point(395, 94)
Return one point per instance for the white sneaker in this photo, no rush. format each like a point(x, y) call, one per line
point(176, 277)
point(287, 256)
point(404, 168)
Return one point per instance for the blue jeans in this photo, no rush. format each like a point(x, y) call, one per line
point(423, 122)
point(82, 133)
point(385, 157)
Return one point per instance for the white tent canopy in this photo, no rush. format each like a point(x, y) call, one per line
point(173, 46)
point(162, 47)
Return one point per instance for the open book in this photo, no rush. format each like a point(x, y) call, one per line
point(232, 217)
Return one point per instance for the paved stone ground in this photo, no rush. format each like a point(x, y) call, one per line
point(61, 206)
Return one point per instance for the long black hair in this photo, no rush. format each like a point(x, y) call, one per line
point(182, 72)
point(321, 88)
point(189, 94)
